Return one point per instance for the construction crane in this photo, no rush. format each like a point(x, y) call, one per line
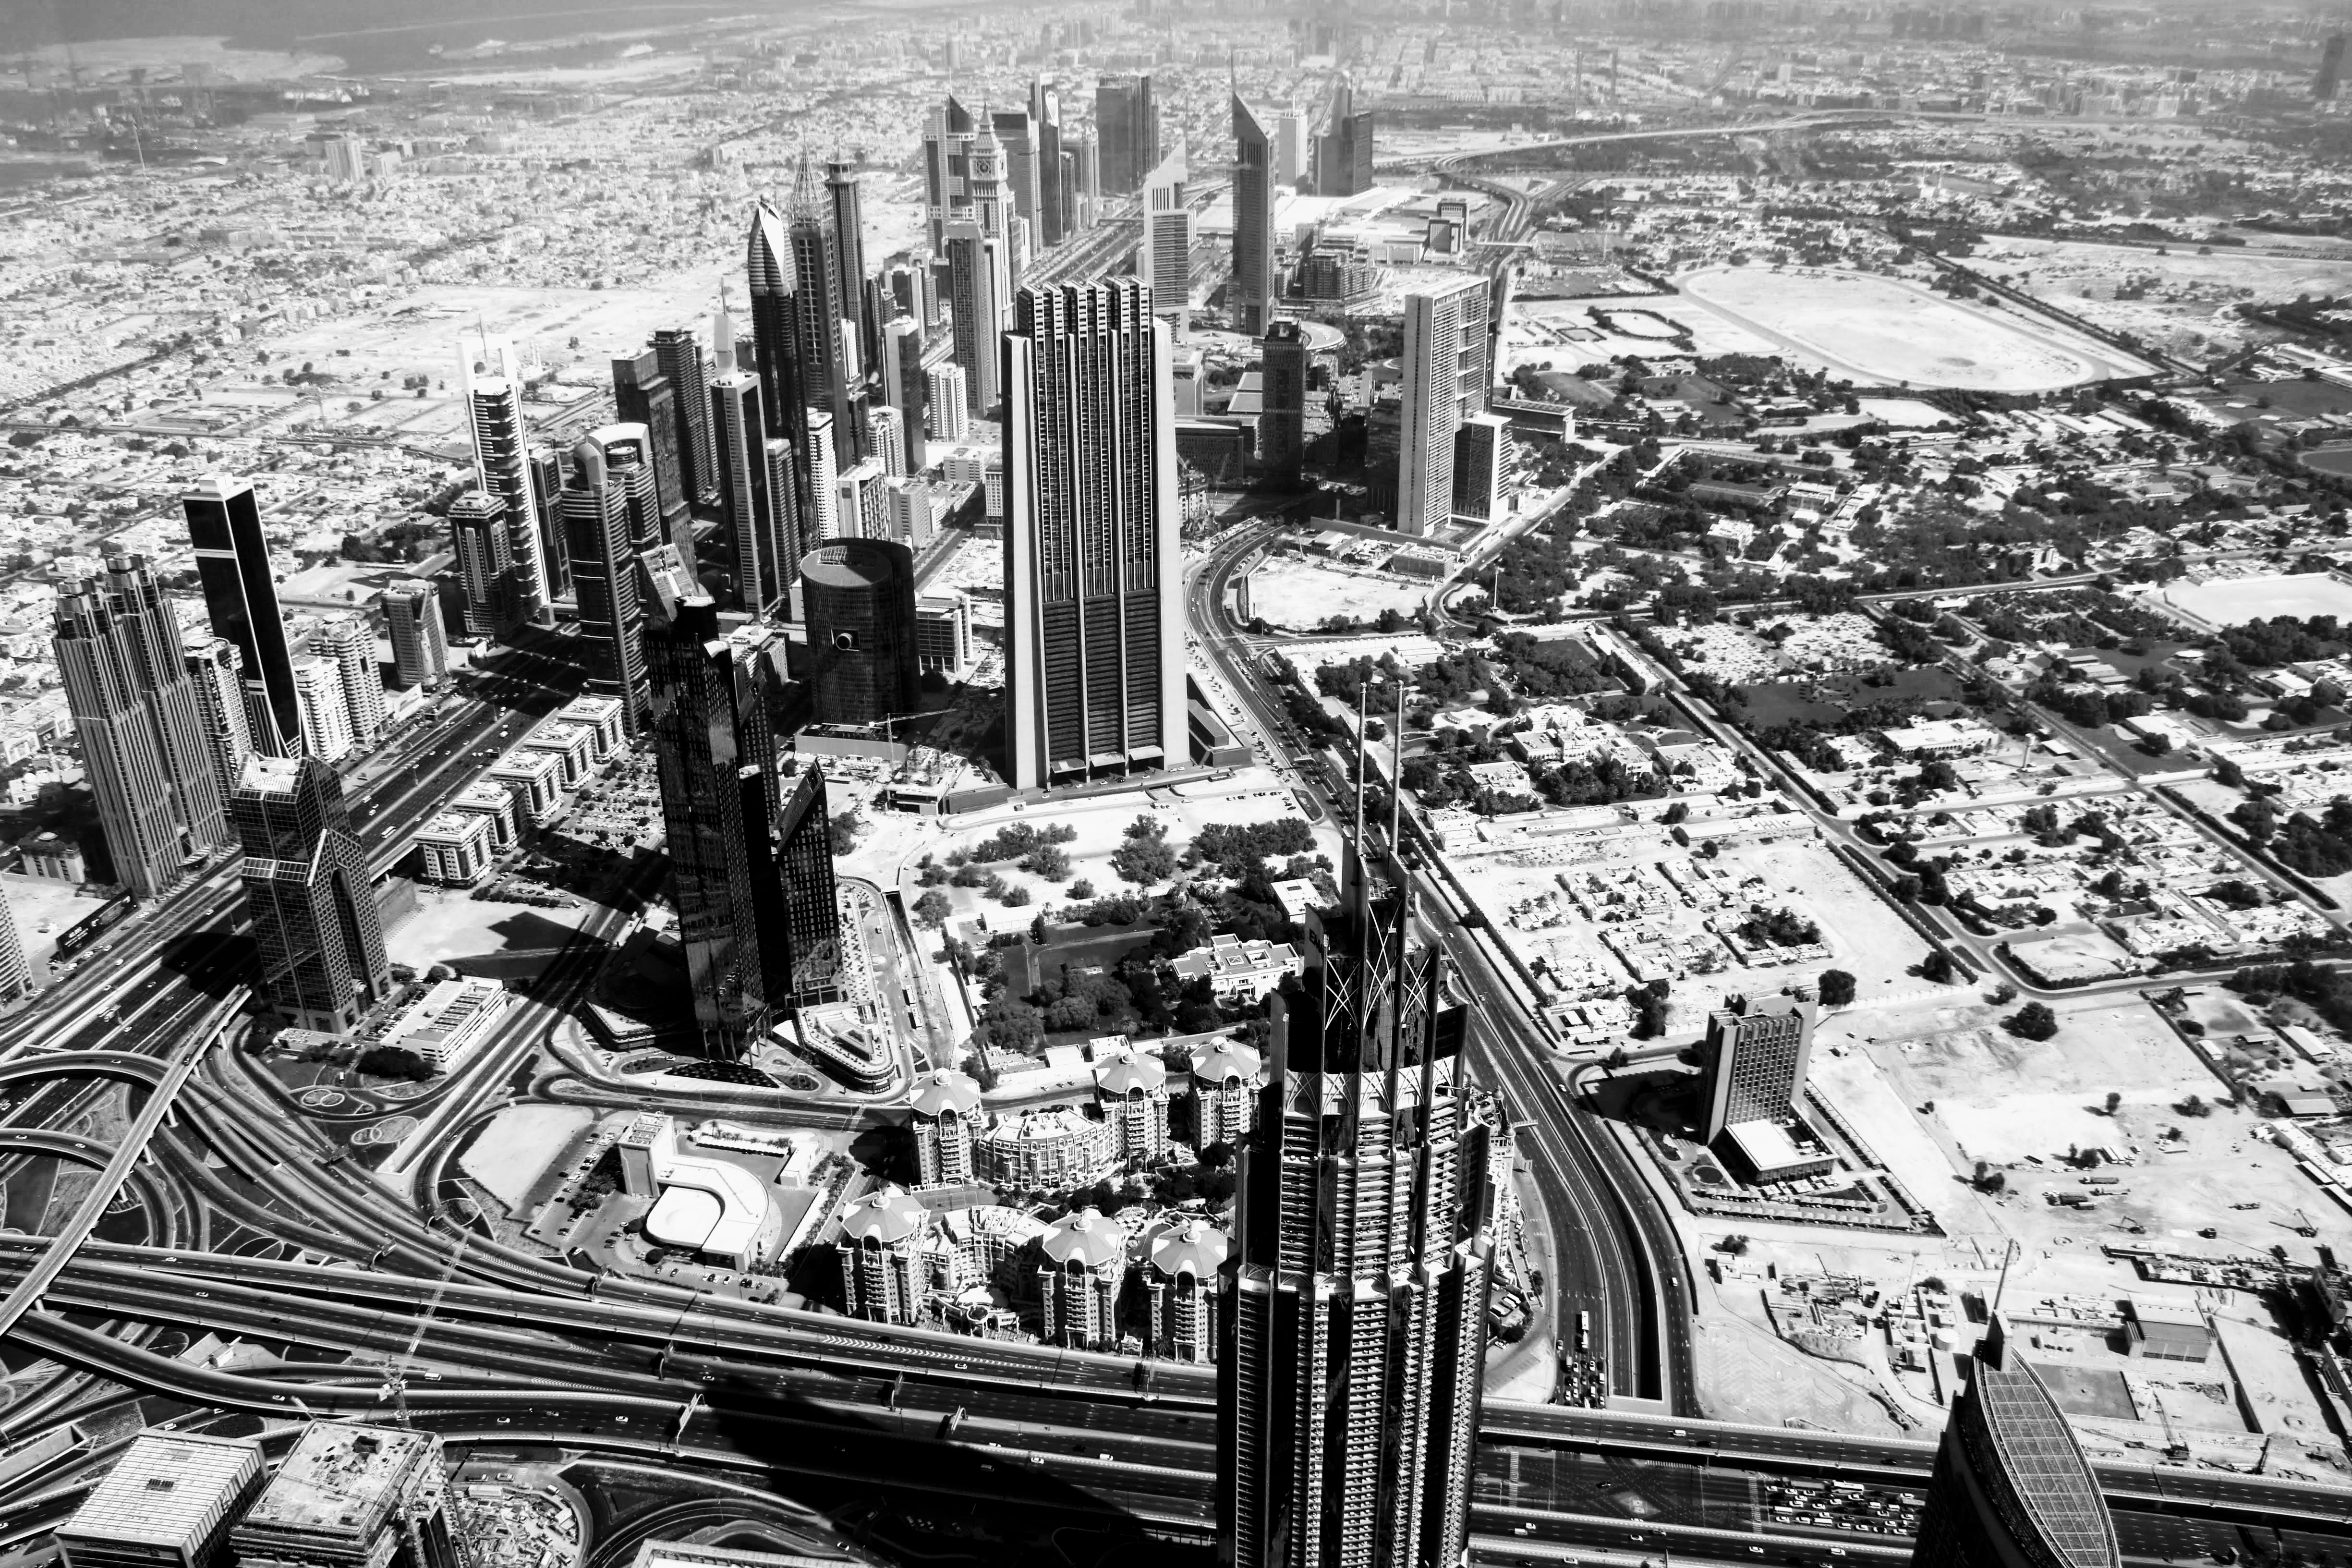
point(396, 1381)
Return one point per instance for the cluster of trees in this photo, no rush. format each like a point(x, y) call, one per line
point(2283, 639)
point(2315, 848)
point(395, 1061)
point(1779, 928)
point(2034, 1021)
point(1649, 1005)
point(2327, 992)
point(1144, 854)
point(1545, 669)
point(1240, 851)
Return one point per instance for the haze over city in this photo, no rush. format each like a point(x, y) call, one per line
point(1502, 782)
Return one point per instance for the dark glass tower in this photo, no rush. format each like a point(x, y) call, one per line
point(642, 396)
point(1253, 283)
point(2011, 1489)
point(1353, 1317)
point(612, 515)
point(233, 564)
point(850, 279)
point(485, 549)
point(1094, 638)
point(859, 596)
point(680, 354)
point(307, 892)
point(754, 921)
point(1282, 426)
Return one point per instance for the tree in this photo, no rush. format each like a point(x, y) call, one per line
point(931, 908)
point(1936, 967)
point(1082, 889)
point(2113, 1101)
point(1049, 861)
point(1145, 857)
point(1837, 988)
point(2033, 1021)
point(2195, 1105)
point(395, 1061)
point(844, 829)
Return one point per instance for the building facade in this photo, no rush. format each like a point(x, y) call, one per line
point(880, 1252)
point(420, 642)
point(1131, 1095)
point(1183, 1260)
point(1352, 1317)
point(308, 894)
point(858, 595)
point(1252, 290)
point(492, 397)
point(1082, 1264)
point(1094, 633)
point(1283, 359)
point(241, 598)
point(1445, 382)
point(946, 1118)
point(1754, 1060)
point(1227, 1079)
point(612, 516)
point(1167, 241)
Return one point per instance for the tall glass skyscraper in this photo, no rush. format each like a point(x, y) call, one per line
point(1093, 628)
point(859, 596)
point(746, 851)
point(678, 352)
point(1253, 283)
point(823, 314)
point(1354, 1296)
point(233, 564)
point(2011, 1486)
point(758, 541)
point(485, 550)
point(612, 514)
point(309, 892)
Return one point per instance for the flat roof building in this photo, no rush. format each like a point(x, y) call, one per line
point(350, 1495)
point(172, 1499)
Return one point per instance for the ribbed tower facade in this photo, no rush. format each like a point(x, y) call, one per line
point(493, 398)
point(1353, 1317)
point(823, 314)
point(215, 676)
point(612, 514)
point(842, 199)
point(485, 550)
point(1094, 633)
point(135, 774)
point(159, 669)
point(748, 502)
point(678, 353)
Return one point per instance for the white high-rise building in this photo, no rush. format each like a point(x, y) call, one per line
point(350, 641)
point(1445, 382)
point(886, 438)
point(215, 672)
point(1167, 241)
point(948, 415)
point(824, 491)
point(325, 708)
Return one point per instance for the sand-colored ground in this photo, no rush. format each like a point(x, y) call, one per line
point(1879, 330)
point(453, 927)
point(510, 1154)
point(2233, 601)
point(1301, 595)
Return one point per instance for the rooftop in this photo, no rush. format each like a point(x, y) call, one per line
point(169, 1489)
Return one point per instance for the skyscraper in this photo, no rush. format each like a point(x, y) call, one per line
point(349, 640)
point(1343, 153)
point(718, 699)
point(2011, 1488)
point(1444, 380)
point(485, 550)
point(823, 313)
point(860, 599)
point(307, 892)
point(1756, 1054)
point(642, 396)
point(1167, 241)
point(420, 645)
point(1281, 417)
point(215, 675)
point(613, 515)
point(747, 505)
point(326, 711)
point(1016, 140)
point(947, 139)
point(2331, 69)
point(1126, 129)
point(678, 352)
point(820, 468)
point(546, 484)
point(1094, 633)
point(1483, 467)
point(949, 410)
point(233, 564)
point(1352, 1317)
point(140, 723)
point(905, 388)
point(493, 398)
point(885, 439)
point(1045, 118)
point(981, 289)
point(1290, 153)
point(850, 277)
point(1252, 282)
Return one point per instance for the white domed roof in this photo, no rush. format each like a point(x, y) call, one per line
point(887, 1216)
point(1189, 1245)
point(1088, 1237)
point(944, 1092)
point(1222, 1060)
point(1129, 1072)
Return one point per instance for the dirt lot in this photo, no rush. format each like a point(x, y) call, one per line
point(1300, 594)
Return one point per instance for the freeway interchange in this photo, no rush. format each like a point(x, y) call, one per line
point(377, 1296)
